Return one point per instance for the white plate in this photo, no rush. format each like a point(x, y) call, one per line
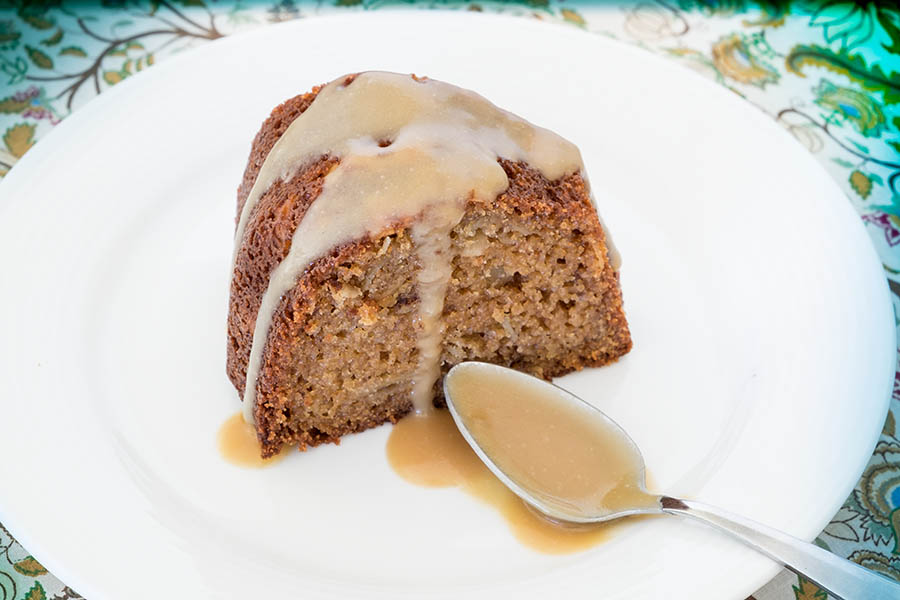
point(758, 381)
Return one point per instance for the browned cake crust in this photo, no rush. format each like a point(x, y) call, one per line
point(532, 288)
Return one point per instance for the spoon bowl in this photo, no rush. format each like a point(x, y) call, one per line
point(476, 379)
point(571, 462)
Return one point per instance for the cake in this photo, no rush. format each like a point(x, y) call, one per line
point(391, 226)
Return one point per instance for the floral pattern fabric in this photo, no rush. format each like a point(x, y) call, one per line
point(828, 71)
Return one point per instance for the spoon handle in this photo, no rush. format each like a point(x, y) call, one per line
point(839, 577)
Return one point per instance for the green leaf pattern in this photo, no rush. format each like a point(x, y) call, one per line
point(871, 77)
point(73, 51)
point(29, 566)
point(36, 592)
point(861, 184)
point(9, 34)
point(39, 58)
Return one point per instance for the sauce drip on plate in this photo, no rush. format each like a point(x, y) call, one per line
point(238, 444)
point(429, 451)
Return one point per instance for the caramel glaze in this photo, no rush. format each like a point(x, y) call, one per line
point(429, 451)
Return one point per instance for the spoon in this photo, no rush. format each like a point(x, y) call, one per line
point(572, 463)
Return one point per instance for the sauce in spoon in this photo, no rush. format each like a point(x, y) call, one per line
point(566, 454)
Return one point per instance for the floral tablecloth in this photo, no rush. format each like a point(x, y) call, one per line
point(827, 70)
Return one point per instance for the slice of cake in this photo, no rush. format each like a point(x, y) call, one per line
point(390, 227)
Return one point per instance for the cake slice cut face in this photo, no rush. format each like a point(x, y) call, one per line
point(390, 227)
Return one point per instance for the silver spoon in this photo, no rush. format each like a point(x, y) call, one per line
point(839, 577)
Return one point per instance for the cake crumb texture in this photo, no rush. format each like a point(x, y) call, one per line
point(531, 288)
